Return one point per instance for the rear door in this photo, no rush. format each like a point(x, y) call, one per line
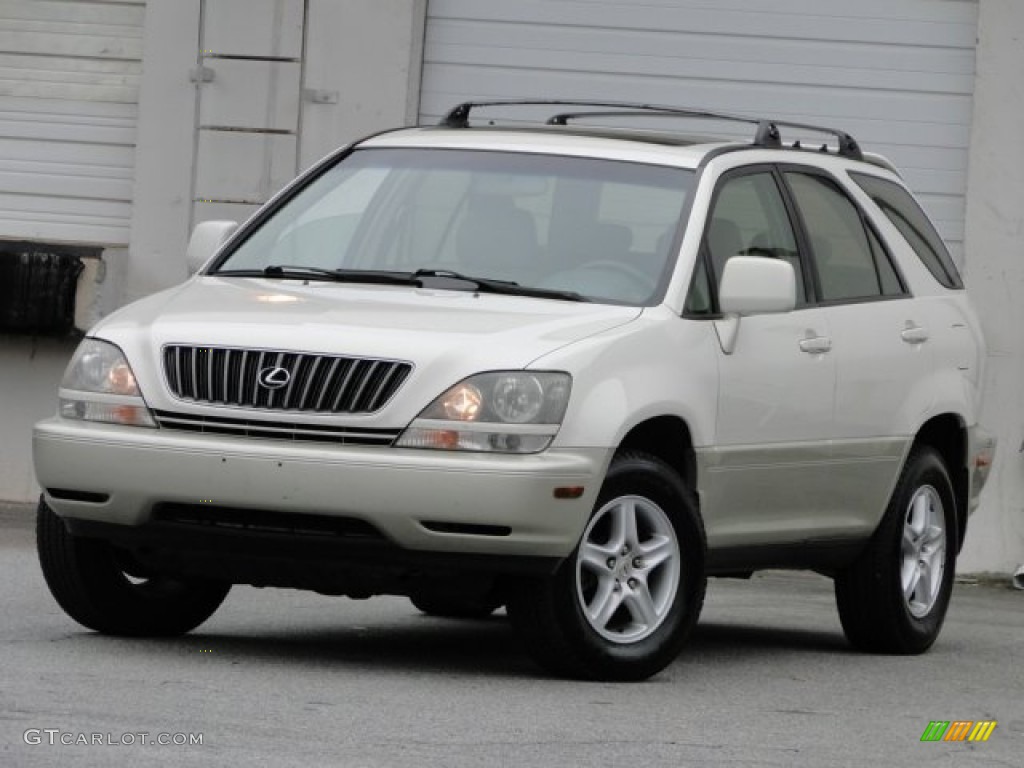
point(880, 346)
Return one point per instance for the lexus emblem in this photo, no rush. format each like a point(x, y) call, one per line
point(273, 378)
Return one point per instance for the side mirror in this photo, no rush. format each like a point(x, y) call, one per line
point(753, 285)
point(207, 238)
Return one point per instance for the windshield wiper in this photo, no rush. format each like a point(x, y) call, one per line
point(503, 287)
point(415, 279)
point(301, 272)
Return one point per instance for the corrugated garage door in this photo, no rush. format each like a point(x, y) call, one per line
point(69, 90)
point(897, 74)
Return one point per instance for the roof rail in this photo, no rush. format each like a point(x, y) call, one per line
point(767, 133)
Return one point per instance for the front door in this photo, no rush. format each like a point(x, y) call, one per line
point(768, 480)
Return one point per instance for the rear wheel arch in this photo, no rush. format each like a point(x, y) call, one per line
point(947, 434)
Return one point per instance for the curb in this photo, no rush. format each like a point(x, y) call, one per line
point(17, 514)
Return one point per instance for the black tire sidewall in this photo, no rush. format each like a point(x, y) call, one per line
point(869, 594)
point(644, 476)
point(87, 581)
point(926, 469)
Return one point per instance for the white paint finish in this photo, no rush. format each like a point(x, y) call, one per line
point(995, 278)
point(263, 28)
point(546, 143)
point(871, 353)
point(774, 423)
point(163, 174)
point(30, 371)
point(759, 402)
point(239, 166)
point(369, 52)
point(446, 335)
point(251, 94)
point(206, 240)
point(897, 75)
point(754, 285)
point(140, 467)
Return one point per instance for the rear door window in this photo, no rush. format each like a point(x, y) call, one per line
point(903, 211)
point(851, 262)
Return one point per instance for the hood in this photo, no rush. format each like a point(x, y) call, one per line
point(446, 334)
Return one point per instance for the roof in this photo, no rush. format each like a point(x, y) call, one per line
point(564, 133)
point(632, 146)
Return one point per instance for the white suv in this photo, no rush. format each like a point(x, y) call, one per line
point(569, 369)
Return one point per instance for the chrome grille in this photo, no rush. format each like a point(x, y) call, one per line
point(275, 430)
point(316, 383)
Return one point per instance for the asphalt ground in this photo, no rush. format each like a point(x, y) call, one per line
point(286, 678)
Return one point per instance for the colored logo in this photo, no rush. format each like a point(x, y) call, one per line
point(274, 378)
point(959, 730)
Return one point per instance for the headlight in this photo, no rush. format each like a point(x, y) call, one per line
point(503, 412)
point(99, 385)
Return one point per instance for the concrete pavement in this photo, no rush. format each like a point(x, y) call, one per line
point(284, 678)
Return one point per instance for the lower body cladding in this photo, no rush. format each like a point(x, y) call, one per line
point(339, 519)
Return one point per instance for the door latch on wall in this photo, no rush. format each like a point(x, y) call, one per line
point(201, 75)
point(318, 96)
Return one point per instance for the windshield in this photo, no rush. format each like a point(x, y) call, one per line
point(602, 229)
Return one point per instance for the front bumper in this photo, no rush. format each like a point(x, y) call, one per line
point(429, 501)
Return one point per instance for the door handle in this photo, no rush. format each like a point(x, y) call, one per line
point(914, 334)
point(816, 345)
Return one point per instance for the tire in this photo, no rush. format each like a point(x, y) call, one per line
point(451, 607)
point(87, 577)
point(893, 599)
point(609, 612)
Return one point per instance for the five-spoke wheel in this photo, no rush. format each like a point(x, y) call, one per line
point(621, 607)
point(627, 569)
point(924, 551)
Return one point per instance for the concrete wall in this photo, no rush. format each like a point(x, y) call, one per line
point(995, 275)
point(165, 148)
point(365, 54)
point(30, 371)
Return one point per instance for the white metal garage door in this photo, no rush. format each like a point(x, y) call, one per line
point(69, 90)
point(897, 74)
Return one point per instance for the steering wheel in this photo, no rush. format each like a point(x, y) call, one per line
point(640, 279)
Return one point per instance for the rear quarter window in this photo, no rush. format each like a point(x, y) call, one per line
point(907, 216)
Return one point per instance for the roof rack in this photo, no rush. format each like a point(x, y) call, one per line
point(767, 133)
